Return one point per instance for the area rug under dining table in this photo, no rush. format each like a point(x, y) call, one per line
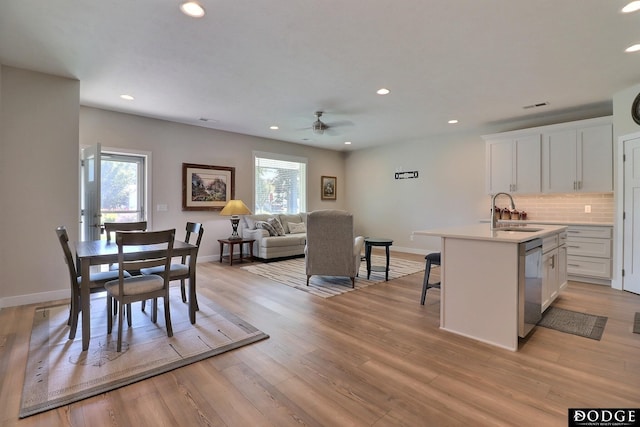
point(58, 372)
point(291, 272)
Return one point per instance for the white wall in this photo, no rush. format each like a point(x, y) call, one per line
point(38, 182)
point(172, 144)
point(623, 124)
point(449, 190)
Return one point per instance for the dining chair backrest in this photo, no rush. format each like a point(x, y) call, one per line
point(157, 244)
point(112, 227)
point(63, 238)
point(193, 228)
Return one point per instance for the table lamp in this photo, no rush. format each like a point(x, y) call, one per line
point(234, 208)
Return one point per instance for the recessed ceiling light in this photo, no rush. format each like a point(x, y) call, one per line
point(127, 97)
point(274, 127)
point(192, 9)
point(383, 91)
point(634, 48)
point(347, 143)
point(452, 122)
point(631, 7)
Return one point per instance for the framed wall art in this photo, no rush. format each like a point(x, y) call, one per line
point(328, 188)
point(206, 188)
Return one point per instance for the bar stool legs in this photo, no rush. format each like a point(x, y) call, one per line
point(431, 259)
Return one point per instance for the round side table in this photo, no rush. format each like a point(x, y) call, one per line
point(377, 241)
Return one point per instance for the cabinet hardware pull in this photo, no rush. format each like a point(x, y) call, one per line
point(573, 265)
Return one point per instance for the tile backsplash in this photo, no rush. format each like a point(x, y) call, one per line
point(564, 207)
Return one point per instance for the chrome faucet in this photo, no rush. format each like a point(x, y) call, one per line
point(494, 220)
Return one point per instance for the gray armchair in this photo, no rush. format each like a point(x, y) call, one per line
point(332, 249)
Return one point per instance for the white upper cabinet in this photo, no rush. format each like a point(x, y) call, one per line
point(513, 164)
point(562, 158)
point(578, 159)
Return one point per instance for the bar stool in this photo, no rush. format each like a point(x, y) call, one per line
point(432, 259)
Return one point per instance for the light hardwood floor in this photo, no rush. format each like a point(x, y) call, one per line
point(373, 357)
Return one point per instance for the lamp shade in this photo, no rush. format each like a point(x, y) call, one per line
point(235, 207)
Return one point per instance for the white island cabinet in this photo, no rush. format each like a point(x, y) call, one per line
point(480, 273)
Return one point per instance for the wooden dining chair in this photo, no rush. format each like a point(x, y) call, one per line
point(111, 227)
point(97, 281)
point(126, 290)
point(181, 271)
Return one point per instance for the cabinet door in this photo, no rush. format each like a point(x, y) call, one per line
point(549, 278)
point(559, 162)
point(513, 165)
point(595, 158)
point(562, 268)
point(527, 164)
point(500, 166)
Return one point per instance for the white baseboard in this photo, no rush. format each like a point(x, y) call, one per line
point(34, 298)
point(60, 294)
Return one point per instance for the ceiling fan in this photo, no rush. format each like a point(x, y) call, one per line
point(319, 127)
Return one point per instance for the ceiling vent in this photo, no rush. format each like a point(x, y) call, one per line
point(539, 104)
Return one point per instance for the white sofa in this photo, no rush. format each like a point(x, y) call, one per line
point(269, 246)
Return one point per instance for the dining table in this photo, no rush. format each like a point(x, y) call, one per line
point(99, 252)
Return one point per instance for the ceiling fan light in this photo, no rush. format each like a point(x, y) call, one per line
point(317, 127)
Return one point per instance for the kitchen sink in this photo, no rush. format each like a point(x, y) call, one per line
point(518, 229)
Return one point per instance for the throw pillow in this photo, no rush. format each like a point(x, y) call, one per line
point(266, 226)
point(297, 227)
point(275, 223)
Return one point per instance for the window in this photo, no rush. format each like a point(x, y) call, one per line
point(123, 187)
point(280, 183)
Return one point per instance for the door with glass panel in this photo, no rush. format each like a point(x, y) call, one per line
point(114, 190)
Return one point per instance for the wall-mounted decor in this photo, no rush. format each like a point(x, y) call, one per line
point(406, 175)
point(635, 109)
point(206, 188)
point(328, 187)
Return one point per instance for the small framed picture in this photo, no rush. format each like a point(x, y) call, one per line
point(206, 188)
point(328, 187)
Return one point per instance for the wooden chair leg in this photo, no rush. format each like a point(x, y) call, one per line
point(184, 294)
point(154, 311)
point(353, 282)
point(73, 318)
point(129, 315)
point(425, 282)
point(120, 322)
point(110, 313)
point(167, 316)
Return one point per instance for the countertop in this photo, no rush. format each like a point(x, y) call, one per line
point(484, 232)
point(551, 222)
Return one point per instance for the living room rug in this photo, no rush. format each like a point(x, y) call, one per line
point(291, 272)
point(59, 373)
point(573, 322)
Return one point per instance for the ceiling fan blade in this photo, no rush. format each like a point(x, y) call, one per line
point(340, 123)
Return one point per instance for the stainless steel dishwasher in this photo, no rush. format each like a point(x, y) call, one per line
point(529, 285)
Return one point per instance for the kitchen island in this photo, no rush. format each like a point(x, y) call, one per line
point(481, 270)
